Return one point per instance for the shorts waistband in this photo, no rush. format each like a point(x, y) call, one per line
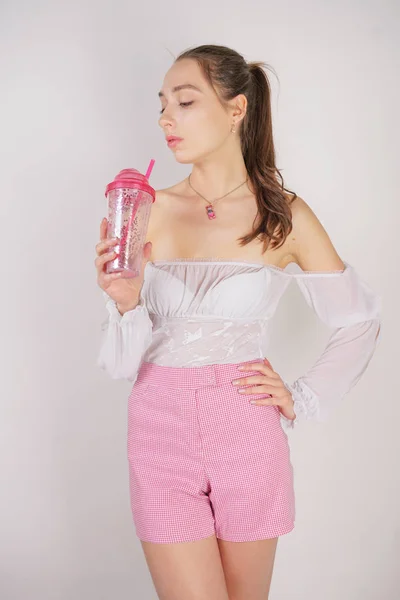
point(192, 377)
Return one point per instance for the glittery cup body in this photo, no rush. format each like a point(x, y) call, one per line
point(128, 217)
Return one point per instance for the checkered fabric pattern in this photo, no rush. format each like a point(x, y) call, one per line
point(203, 460)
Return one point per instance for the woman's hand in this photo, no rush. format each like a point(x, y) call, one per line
point(124, 291)
point(268, 382)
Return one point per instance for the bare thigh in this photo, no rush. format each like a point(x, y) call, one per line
point(186, 570)
point(248, 567)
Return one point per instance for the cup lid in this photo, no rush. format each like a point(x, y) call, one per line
point(131, 178)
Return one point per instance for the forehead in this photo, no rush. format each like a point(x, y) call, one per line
point(184, 74)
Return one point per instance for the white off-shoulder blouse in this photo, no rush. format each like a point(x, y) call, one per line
point(195, 312)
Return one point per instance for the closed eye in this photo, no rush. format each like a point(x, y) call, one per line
point(184, 104)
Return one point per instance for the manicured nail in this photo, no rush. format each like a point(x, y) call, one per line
point(241, 368)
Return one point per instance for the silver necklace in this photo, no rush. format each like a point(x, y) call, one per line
point(210, 205)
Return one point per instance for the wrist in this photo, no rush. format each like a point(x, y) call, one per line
point(289, 406)
point(123, 308)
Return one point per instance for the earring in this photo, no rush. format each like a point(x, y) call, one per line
point(233, 128)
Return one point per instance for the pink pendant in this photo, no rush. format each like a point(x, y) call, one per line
point(210, 212)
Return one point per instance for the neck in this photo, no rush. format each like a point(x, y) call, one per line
point(217, 174)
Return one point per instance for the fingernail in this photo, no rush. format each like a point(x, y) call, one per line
point(236, 382)
point(241, 368)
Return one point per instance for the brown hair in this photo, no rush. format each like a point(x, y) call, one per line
point(227, 71)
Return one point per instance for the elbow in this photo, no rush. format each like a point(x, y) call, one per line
point(376, 330)
point(124, 345)
point(372, 331)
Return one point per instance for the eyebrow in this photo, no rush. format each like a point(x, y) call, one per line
point(177, 88)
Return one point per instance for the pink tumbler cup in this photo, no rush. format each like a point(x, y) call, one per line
point(129, 200)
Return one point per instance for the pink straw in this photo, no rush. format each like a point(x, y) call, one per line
point(150, 168)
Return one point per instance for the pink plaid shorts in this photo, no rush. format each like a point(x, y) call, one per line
point(203, 460)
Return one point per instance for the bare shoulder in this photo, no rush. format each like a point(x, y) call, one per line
point(311, 245)
point(160, 208)
point(163, 199)
point(165, 195)
point(157, 208)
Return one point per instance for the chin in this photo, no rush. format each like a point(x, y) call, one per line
point(184, 161)
point(184, 158)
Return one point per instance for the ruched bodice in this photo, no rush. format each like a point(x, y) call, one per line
point(213, 289)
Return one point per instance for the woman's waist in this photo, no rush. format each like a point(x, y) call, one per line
point(178, 342)
point(192, 330)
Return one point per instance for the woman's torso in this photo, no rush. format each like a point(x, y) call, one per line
point(210, 299)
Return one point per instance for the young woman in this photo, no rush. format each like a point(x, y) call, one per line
point(210, 473)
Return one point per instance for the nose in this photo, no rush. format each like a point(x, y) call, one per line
point(165, 120)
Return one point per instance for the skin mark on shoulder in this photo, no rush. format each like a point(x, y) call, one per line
point(296, 205)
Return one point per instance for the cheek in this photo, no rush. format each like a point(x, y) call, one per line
point(205, 130)
point(203, 133)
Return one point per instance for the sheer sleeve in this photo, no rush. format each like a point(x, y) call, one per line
point(345, 302)
point(125, 339)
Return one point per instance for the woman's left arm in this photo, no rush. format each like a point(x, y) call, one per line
point(343, 301)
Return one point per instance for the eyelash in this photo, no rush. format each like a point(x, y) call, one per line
point(183, 104)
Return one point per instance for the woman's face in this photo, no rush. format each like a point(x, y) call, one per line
point(194, 114)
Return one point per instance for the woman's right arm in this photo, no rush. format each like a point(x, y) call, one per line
point(127, 331)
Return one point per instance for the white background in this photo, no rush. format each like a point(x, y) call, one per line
point(79, 103)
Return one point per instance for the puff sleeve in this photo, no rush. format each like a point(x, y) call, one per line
point(345, 302)
point(125, 339)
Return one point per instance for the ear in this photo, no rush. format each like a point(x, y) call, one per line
point(238, 108)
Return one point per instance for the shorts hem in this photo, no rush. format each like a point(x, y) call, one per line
point(253, 538)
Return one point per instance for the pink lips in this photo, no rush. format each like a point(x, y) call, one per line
point(173, 141)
